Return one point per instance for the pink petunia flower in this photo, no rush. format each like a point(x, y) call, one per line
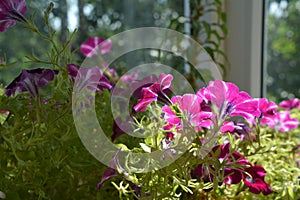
point(290, 104)
point(10, 12)
point(268, 111)
point(190, 109)
point(284, 122)
point(230, 101)
point(154, 92)
point(94, 46)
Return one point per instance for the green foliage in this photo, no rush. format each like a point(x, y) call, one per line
point(276, 151)
point(41, 155)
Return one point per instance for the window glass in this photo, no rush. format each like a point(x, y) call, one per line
point(282, 49)
point(101, 18)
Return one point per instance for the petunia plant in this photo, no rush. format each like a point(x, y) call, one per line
point(218, 142)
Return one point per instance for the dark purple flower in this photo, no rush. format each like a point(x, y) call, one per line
point(254, 179)
point(203, 173)
point(121, 127)
point(93, 78)
point(112, 171)
point(232, 175)
point(230, 101)
point(10, 12)
point(31, 81)
point(107, 174)
point(154, 92)
point(92, 46)
point(137, 189)
point(290, 104)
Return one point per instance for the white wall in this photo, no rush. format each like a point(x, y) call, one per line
point(243, 45)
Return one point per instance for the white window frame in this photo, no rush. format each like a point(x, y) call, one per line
point(244, 44)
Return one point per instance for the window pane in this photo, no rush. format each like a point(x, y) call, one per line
point(282, 49)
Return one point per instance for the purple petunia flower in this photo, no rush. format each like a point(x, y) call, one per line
point(31, 81)
point(230, 101)
point(255, 181)
point(154, 92)
point(10, 12)
point(90, 47)
point(93, 77)
point(290, 104)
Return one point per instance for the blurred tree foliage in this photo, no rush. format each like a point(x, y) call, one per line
point(283, 53)
point(104, 18)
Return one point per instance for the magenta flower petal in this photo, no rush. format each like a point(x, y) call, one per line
point(233, 176)
point(230, 101)
point(284, 122)
point(165, 81)
point(154, 92)
point(190, 109)
point(239, 159)
point(204, 94)
point(10, 12)
point(290, 104)
point(247, 109)
point(148, 97)
point(267, 111)
point(227, 127)
point(95, 45)
point(239, 129)
point(223, 151)
point(170, 116)
point(255, 181)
